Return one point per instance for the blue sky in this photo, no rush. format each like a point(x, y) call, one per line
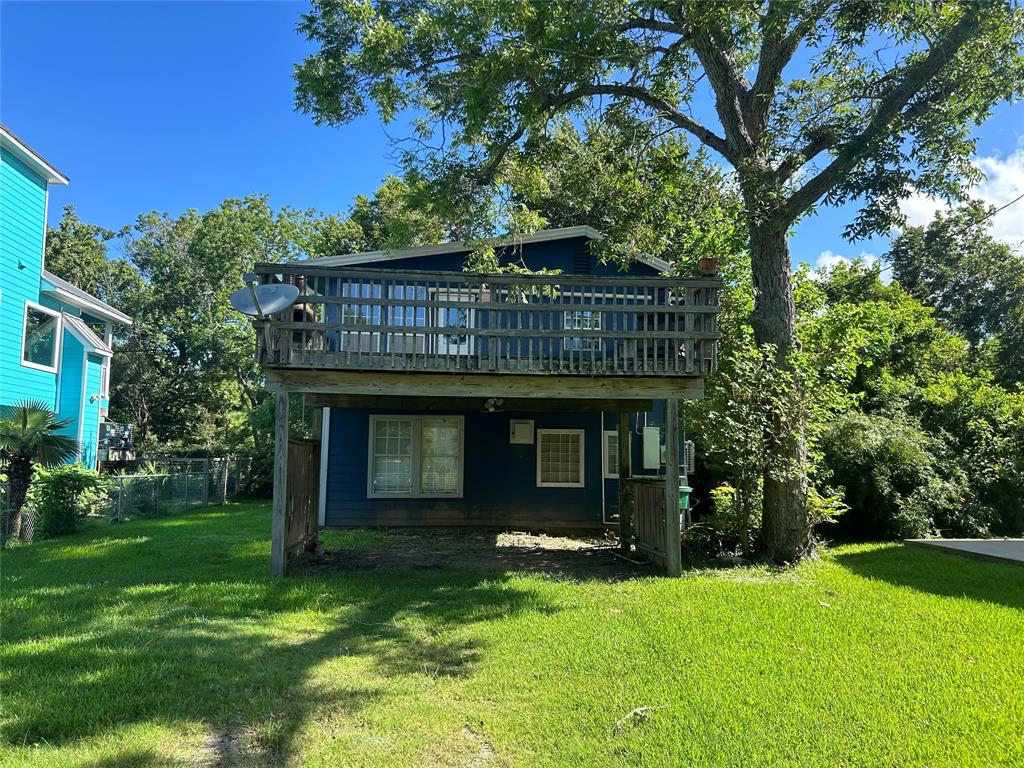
point(169, 106)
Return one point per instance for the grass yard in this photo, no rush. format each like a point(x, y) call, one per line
point(164, 643)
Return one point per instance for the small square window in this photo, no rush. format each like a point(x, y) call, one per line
point(560, 458)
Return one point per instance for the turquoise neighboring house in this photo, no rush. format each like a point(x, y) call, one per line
point(55, 340)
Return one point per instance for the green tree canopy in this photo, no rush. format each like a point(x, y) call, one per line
point(974, 282)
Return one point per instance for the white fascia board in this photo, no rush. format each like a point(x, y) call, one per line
point(30, 157)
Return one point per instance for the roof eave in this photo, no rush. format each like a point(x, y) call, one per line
point(82, 300)
point(30, 157)
point(544, 235)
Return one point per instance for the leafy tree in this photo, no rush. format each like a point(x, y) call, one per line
point(821, 101)
point(29, 437)
point(974, 282)
point(78, 252)
point(929, 440)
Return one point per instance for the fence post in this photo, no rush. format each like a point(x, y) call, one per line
point(224, 481)
point(120, 495)
point(206, 482)
point(187, 475)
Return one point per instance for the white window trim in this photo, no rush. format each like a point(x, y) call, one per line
point(417, 421)
point(586, 343)
point(583, 449)
point(612, 473)
point(57, 342)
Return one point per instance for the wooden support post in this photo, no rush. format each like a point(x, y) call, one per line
point(625, 492)
point(277, 526)
point(673, 543)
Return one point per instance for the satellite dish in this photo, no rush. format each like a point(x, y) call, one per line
point(260, 300)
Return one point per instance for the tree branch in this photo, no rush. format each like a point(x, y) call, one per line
point(655, 102)
point(776, 52)
point(889, 109)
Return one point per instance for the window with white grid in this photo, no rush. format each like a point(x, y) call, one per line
point(583, 320)
point(560, 458)
point(415, 456)
point(391, 471)
point(611, 454)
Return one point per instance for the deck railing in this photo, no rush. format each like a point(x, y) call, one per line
point(402, 320)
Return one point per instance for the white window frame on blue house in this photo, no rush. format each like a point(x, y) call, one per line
point(582, 320)
point(541, 435)
point(57, 341)
point(415, 457)
point(611, 469)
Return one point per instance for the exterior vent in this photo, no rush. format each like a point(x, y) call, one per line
point(581, 260)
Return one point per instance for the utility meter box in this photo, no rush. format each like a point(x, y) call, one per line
point(652, 447)
point(520, 432)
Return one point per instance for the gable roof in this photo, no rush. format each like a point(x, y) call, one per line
point(31, 158)
point(458, 246)
point(84, 334)
point(64, 291)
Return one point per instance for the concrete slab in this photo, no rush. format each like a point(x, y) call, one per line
point(1003, 550)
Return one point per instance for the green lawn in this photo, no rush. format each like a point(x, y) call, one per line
point(164, 643)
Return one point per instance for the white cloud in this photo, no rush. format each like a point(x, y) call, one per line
point(828, 259)
point(1004, 180)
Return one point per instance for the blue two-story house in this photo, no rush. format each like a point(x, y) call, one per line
point(499, 400)
point(55, 340)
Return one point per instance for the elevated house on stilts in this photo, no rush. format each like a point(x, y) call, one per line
point(451, 398)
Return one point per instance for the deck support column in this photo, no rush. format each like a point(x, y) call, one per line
point(673, 541)
point(277, 527)
point(625, 492)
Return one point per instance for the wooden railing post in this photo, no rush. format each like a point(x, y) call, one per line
point(673, 542)
point(277, 526)
point(625, 491)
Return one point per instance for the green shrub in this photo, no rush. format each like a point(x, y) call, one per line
point(61, 497)
point(899, 481)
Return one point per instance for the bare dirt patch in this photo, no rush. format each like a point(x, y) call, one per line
point(425, 550)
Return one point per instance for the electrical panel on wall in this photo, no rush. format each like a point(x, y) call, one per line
point(652, 447)
point(521, 432)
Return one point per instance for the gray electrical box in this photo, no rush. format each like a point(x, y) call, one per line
point(652, 447)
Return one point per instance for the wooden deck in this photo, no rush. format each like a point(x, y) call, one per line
point(454, 322)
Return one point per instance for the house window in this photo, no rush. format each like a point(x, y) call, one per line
point(582, 320)
point(611, 455)
point(41, 339)
point(415, 456)
point(367, 315)
point(559, 458)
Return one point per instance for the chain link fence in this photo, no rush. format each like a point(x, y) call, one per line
point(197, 483)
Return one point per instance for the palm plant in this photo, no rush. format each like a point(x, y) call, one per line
point(29, 437)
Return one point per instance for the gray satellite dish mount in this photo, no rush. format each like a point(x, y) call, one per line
point(259, 300)
point(256, 300)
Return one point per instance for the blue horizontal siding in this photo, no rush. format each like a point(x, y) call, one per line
point(499, 480)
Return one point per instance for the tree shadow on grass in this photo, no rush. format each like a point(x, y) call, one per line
point(140, 630)
point(939, 573)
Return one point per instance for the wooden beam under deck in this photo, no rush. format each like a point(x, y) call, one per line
point(506, 404)
point(483, 385)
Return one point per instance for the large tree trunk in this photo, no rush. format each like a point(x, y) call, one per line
point(785, 527)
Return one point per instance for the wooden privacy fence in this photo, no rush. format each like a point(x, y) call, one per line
point(367, 319)
point(302, 518)
point(650, 528)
